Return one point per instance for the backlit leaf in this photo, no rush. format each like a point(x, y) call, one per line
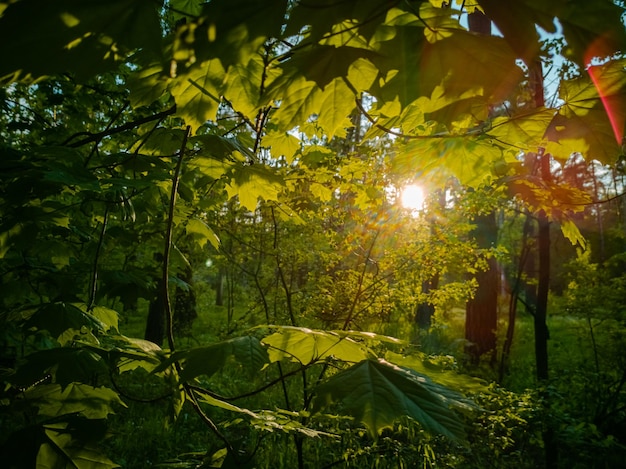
point(299, 98)
point(469, 159)
point(198, 91)
point(93, 403)
point(573, 234)
point(282, 144)
point(244, 83)
point(251, 182)
point(202, 233)
point(337, 104)
point(308, 346)
point(524, 131)
point(147, 85)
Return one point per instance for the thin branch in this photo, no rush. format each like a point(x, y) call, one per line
point(207, 420)
point(389, 131)
point(93, 287)
point(91, 137)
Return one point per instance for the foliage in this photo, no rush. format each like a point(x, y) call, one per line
point(140, 138)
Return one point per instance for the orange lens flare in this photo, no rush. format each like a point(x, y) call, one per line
point(610, 100)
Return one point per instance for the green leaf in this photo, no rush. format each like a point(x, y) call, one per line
point(282, 144)
point(470, 159)
point(285, 421)
point(336, 106)
point(222, 148)
point(590, 30)
point(213, 401)
point(38, 37)
point(65, 364)
point(251, 182)
point(237, 29)
point(593, 116)
point(361, 74)
point(66, 447)
point(573, 234)
point(523, 131)
point(244, 85)
point(92, 403)
point(187, 8)
point(438, 373)
point(322, 17)
point(308, 346)
point(378, 393)
point(299, 99)
point(58, 317)
point(202, 233)
point(197, 92)
point(147, 85)
point(246, 350)
point(323, 64)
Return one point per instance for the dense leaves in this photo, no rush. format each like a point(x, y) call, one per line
point(155, 153)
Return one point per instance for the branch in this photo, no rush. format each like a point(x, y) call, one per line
point(91, 137)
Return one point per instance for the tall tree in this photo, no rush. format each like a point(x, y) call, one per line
point(481, 311)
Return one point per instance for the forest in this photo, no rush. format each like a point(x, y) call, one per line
point(312, 234)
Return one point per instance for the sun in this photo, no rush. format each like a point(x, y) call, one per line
point(412, 197)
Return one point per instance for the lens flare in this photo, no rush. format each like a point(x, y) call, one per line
point(412, 197)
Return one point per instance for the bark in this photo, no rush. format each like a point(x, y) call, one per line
point(481, 313)
point(185, 305)
point(155, 324)
point(424, 311)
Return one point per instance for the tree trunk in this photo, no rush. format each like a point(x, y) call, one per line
point(219, 287)
point(481, 313)
point(185, 305)
point(155, 324)
point(424, 311)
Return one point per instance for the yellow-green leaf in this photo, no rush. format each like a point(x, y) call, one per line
point(307, 346)
point(336, 106)
point(197, 92)
point(202, 233)
point(282, 144)
point(251, 182)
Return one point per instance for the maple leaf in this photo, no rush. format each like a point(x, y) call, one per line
point(197, 92)
point(251, 182)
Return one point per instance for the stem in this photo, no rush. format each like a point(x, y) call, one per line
point(93, 285)
point(205, 418)
point(168, 243)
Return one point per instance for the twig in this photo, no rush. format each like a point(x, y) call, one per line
point(91, 137)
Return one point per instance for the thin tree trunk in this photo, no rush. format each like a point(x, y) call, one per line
point(535, 73)
point(481, 313)
point(155, 323)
